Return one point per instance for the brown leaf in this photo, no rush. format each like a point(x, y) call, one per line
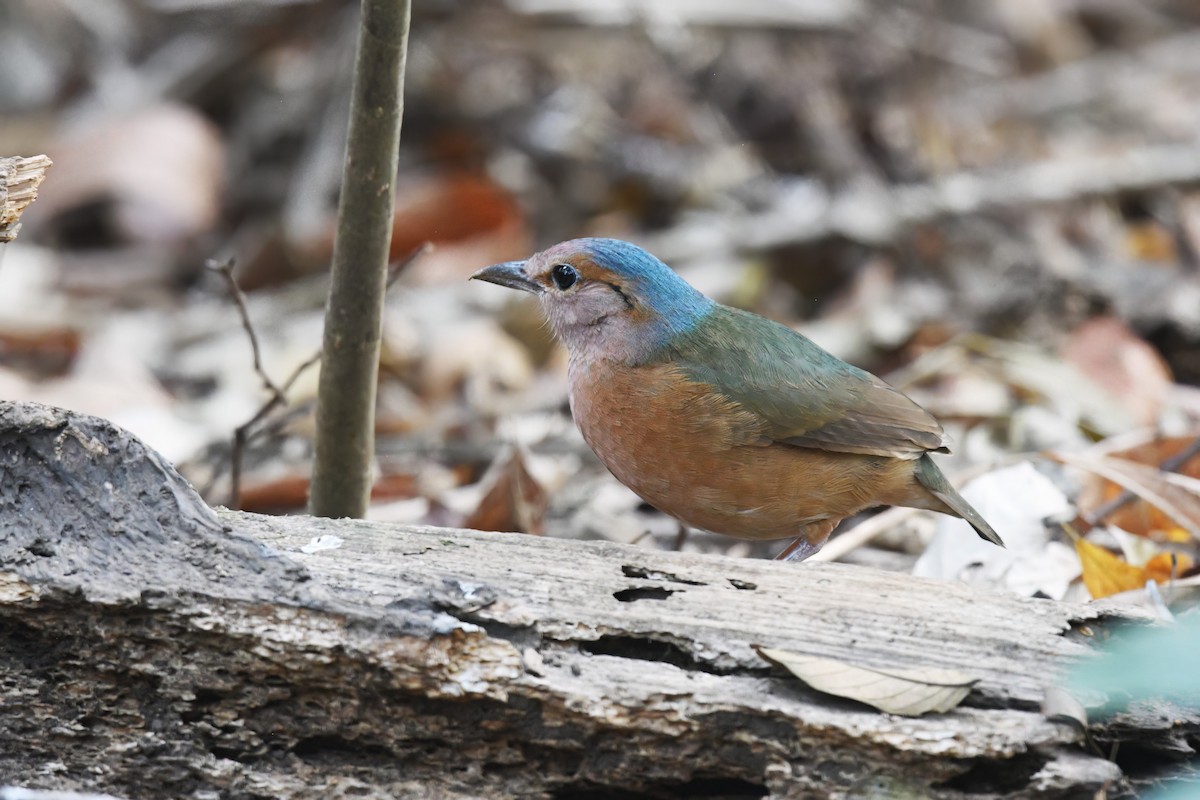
point(395, 486)
point(1123, 364)
point(276, 495)
point(908, 692)
point(45, 352)
point(471, 220)
point(1165, 566)
point(1176, 496)
point(450, 209)
point(515, 500)
point(1105, 574)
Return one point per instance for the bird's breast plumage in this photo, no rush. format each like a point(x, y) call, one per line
point(701, 457)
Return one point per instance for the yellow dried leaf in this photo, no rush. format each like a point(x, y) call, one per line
point(1177, 535)
point(1105, 574)
point(1151, 241)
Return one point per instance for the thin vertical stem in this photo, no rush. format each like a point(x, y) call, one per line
point(345, 440)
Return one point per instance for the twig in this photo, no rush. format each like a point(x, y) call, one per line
point(278, 397)
point(243, 433)
point(225, 270)
point(278, 394)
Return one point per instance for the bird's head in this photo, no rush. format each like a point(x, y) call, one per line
point(605, 297)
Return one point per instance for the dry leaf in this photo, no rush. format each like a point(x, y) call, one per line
point(450, 209)
point(470, 219)
point(908, 692)
point(1136, 550)
point(475, 356)
point(1111, 354)
point(1140, 517)
point(1059, 705)
point(1104, 573)
point(274, 494)
point(515, 500)
point(1165, 566)
point(1054, 383)
point(1151, 241)
point(42, 350)
point(1178, 496)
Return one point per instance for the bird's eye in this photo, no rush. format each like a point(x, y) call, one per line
point(564, 276)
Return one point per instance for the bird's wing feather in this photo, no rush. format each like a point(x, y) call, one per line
point(803, 395)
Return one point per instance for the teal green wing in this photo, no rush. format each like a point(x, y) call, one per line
point(803, 395)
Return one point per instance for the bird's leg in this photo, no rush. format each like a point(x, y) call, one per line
point(798, 550)
point(804, 546)
point(680, 537)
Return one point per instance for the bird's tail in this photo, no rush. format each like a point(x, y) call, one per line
point(929, 476)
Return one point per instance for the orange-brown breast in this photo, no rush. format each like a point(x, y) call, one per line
point(696, 455)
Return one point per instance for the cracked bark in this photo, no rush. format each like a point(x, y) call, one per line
point(152, 647)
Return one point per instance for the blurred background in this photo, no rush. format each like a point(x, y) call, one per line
point(994, 205)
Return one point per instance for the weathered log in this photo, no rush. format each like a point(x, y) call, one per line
point(150, 647)
point(19, 182)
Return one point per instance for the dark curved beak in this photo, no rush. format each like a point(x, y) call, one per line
point(510, 274)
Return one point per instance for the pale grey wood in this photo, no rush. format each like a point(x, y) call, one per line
point(568, 591)
point(150, 648)
point(19, 182)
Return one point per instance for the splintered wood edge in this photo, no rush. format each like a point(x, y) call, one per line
point(20, 178)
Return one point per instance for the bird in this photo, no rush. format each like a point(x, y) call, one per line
point(723, 419)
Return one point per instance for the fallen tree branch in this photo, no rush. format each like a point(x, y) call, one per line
point(156, 648)
point(19, 182)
